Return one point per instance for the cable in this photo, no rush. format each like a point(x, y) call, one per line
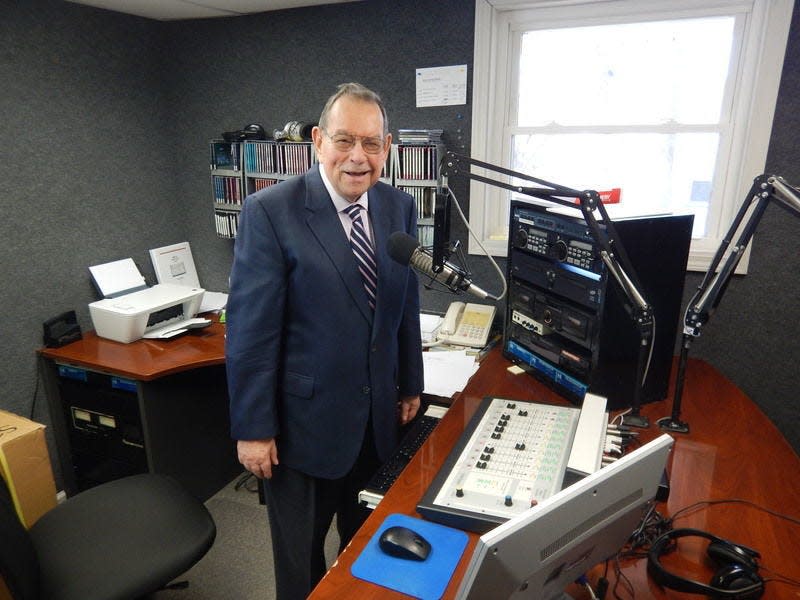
point(779, 578)
point(602, 586)
point(590, 590)
point(652, 347)
point(432, 344)
point(584, 581)
point(620, 577)
point(35, 393)
point(618, 418)
point(706, 503)
point(480, 245)
point(245, 479)
point(651, 526)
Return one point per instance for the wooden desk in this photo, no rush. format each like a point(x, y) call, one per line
point(733, 451)
point(180, 392)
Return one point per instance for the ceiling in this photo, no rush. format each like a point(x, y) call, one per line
point(171, 10)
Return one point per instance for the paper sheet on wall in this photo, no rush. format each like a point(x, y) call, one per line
point(442, 86)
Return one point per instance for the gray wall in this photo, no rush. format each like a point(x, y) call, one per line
point(86, 170)
point(105, 129)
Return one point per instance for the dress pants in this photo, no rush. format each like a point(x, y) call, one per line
point(300, 510)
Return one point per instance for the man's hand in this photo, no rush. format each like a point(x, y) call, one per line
point(409, 405)
point(258, 456)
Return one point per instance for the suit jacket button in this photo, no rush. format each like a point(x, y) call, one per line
point(365, 389)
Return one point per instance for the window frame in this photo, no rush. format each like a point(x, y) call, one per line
point(763, 26)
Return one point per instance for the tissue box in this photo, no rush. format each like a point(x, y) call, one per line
point(25, 465)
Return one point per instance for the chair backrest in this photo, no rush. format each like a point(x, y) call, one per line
point(19, 565)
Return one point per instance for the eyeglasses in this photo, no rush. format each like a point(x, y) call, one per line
point(344, 142)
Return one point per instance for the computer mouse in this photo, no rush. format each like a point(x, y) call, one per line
point(402, 542)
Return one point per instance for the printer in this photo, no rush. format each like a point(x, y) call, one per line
point(161, 311)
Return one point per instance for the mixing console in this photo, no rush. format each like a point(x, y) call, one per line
point(512, 455)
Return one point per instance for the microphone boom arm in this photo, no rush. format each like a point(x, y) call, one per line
point(589, 201)
point(612, 253)
point(708, 295)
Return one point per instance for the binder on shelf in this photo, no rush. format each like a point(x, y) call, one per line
point(260, 157)
point(424, 197)
point(387, 172)
point(416, 162)
point(294, 158)
point(227, 190)
point(226, 223)
point(225, 155)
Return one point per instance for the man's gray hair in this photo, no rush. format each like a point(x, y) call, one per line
point(360, 92)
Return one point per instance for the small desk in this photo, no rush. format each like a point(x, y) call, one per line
point(180, 391)
point(733, 451)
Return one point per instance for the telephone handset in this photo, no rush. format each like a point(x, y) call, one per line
point(467, 324)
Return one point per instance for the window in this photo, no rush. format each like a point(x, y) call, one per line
point(670, 101)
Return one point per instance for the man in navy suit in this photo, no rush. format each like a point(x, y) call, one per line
point(321, 371)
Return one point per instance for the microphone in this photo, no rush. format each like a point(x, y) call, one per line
point(406, 250)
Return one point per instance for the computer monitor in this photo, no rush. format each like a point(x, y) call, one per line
point(536, 554)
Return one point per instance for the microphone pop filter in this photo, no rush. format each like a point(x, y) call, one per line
point(401, 247)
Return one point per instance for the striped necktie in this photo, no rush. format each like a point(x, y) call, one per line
point(364, 252)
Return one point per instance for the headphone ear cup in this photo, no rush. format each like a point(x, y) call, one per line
point(734, 577)
point(727, 553)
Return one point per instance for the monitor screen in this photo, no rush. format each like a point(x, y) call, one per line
point(536, 554)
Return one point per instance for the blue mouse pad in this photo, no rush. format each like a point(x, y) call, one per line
point(426, 579)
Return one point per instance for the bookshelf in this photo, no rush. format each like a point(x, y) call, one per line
point(415, 170)
point(227, 185)
point(239, 169)
point(268, 162)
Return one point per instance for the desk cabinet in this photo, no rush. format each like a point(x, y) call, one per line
point(103, 426)
point(158, 406)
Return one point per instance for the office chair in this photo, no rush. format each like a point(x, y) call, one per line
point(120, 540)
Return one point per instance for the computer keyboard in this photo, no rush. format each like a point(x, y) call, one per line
point(391, 469)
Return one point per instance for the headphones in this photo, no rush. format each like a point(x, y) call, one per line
point(253, 131)
point(737, 576)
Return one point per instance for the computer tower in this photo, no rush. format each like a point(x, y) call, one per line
point(567, 321)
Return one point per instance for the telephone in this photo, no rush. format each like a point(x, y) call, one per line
point(467, 324)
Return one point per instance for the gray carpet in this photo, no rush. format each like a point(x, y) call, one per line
point(239, 564)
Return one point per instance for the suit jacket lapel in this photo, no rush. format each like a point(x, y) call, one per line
point(327, 228)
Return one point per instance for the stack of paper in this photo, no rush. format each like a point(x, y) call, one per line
point(447, 371)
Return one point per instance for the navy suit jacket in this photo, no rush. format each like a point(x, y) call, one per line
point(307, 361)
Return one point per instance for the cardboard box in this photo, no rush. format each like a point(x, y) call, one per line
point(25, 465)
